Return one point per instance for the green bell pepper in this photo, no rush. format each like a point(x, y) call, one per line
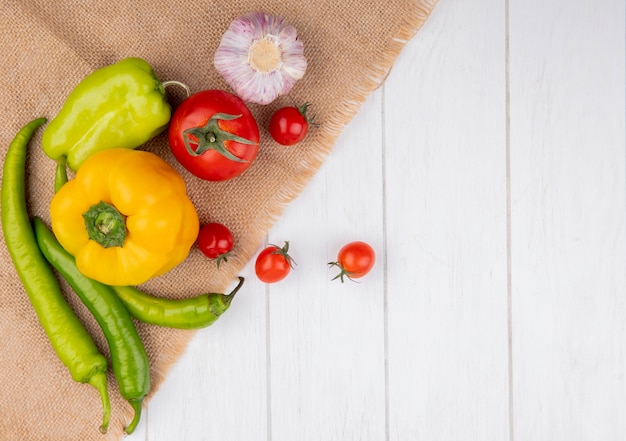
point(122, 105)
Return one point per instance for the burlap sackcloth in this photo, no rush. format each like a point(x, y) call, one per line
point(47, 47)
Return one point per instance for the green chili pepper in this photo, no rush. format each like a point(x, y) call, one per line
point(128, 355)
point(191, 313)
point(70, 340)
point(122, 105)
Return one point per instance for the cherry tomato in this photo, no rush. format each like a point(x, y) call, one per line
point(355, 260)
point(273, 264)
point(216, 241)
point(214, 135)
point(289, 125)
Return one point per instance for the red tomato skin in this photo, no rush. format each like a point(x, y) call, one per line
point(215, 240)
point(196, 111)
point(271, 267)
point(288, 126)
point(356, 258)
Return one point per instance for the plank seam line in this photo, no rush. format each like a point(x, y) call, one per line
point(509, 283)
point(385, 284)
point(268, 361)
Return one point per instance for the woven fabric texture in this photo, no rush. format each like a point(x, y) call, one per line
point(48, 47)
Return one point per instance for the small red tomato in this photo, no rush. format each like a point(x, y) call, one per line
point(216, 241)
point(289, 125)
point(273, 264)
point(355, 260)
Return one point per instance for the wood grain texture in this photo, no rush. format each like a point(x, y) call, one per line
point(489, 173)
point(219, 382)
point(326, 338)
point(446, 230)
point(567, 219)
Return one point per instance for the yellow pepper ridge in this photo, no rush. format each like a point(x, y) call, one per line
point(129, 192)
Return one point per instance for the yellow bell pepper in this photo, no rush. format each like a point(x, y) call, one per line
point(125, 217)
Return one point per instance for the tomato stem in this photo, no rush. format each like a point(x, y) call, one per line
point(303, 108)
point(284, 252)
point(343, 272)
point(222, 258)
point(212, 137)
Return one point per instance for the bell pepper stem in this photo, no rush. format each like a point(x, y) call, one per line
point(105, 225)
point(170, 83)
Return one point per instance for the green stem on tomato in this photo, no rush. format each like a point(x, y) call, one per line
point(212, 137)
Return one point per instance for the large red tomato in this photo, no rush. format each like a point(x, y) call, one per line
point(214, 135)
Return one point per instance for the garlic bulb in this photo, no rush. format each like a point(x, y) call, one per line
point(260, 57)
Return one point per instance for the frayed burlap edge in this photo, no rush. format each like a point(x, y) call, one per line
point(325, 137)
point(373, 78)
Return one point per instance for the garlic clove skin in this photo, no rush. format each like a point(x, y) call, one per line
point(260, 57)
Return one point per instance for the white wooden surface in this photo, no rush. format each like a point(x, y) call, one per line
point(489, 174)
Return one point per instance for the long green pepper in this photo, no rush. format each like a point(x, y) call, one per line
point(190, 313)
point(128, 355)
point(69, 338)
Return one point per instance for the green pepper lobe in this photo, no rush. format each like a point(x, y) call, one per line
point(121, 105)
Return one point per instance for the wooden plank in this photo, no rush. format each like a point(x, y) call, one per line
point(445, 139)
point(217, 389)
point(567, 219)
point(326, 352)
